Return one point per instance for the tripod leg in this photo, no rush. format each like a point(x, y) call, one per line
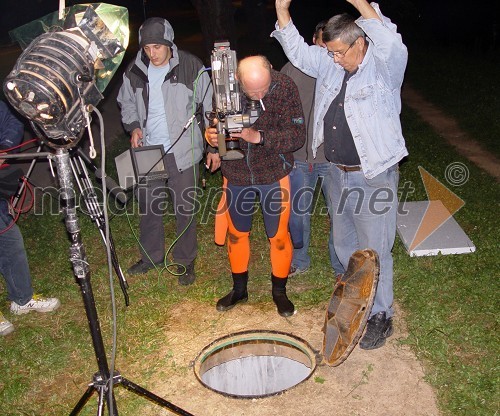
point(82, 401)
point(118, 270)
point(101, 386)
point(19, 192)
point(153, 397)
point(106, 395)
point(102, 402)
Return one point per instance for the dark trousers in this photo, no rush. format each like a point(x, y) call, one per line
point(153, 203)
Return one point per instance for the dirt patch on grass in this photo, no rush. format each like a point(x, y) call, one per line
point(387, 381)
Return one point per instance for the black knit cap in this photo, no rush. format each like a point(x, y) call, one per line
point(156, 31)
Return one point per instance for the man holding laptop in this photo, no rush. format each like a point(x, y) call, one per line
point(156, 102)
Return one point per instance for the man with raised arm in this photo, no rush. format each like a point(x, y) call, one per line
point(310, 170)
point(357, 114)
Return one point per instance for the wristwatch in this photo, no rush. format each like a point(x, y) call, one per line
point(262, 137)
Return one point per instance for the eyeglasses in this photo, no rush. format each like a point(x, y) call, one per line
point(333, 54)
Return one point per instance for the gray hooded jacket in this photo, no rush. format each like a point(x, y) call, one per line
point(178, 94)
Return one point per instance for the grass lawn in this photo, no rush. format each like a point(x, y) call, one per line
point(452, 301)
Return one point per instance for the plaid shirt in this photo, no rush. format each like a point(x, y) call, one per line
point(284, 130)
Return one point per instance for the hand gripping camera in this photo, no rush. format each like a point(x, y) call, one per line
point(233, 110)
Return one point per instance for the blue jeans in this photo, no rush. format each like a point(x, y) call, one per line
point(365, 217)
point(13, 261)
point(312, 172)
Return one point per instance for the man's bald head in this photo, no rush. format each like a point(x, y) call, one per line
point(254, 74)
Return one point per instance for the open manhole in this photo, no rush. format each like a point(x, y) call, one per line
point(262, 363)
point(254, 364)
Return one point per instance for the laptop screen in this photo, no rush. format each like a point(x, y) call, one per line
point(149, 159)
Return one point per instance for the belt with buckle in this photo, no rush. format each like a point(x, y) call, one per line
point(349, 168)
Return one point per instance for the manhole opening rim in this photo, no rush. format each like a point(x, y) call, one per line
point(247, 336)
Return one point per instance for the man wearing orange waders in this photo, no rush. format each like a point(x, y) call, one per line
point(268, 147)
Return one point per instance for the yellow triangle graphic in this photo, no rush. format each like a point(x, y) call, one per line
point(442, 205)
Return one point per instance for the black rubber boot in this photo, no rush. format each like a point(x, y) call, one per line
point(285, 307)
point(238, 294)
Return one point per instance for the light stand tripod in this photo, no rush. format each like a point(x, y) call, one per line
point(102, 380)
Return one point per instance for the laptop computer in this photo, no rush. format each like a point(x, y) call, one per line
point(141, 165)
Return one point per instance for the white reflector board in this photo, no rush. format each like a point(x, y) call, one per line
point(437, 233)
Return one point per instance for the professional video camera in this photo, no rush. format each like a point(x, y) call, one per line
point(232, 108)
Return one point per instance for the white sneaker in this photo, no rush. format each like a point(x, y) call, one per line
point(5, 326)
point(37, 303)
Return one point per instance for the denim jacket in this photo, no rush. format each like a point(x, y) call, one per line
point(373, 95)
